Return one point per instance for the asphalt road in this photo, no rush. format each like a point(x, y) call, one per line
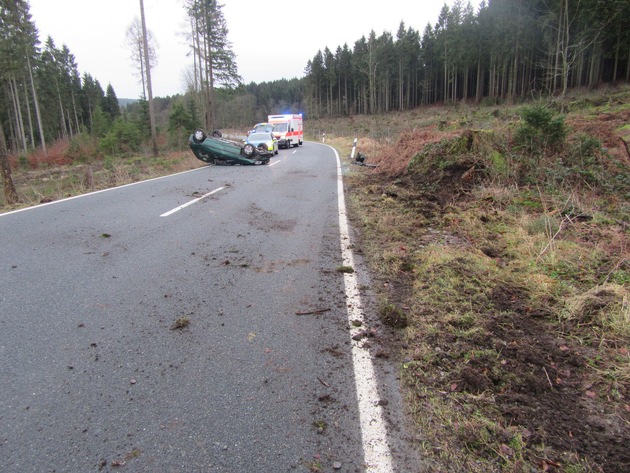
point(94, 374)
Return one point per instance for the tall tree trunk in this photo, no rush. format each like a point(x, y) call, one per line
point(29, 115)
point(62, 117)
point(194, 36)
point(10, 194)
point(143, 76)
point(454, 84)
point(445, 92)
point(522, 91)
point(617, 47)
point(566, 51)
point(493, 87)
point(559, 48)
point(199, 88)
point(210, 117)
point(37, 111)
point(401, 88)
point(77, 126)
point(513, 87)
point(479, 90)
point(594, 70)
point(17, 108)
point(149, 89)
point(504, 78)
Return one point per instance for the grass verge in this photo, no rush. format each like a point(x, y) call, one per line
point(509, 267)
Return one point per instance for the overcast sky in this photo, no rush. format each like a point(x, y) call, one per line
point(270, 41)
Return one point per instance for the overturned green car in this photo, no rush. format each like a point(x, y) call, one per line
point(217, 150)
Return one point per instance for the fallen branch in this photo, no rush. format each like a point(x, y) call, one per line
point(548, 378)
point(552, 238)
point(311, 312)
point(323, 382)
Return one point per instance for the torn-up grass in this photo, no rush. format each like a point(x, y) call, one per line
point(513, 280)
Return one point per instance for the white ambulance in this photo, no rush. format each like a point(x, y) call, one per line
point(287, 129)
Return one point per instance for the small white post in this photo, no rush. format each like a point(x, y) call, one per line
point(354, 148)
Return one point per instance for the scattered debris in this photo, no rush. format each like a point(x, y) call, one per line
point(334, 351)
point(359, 160)
point(382, 354)
point(312, 312)
point(323, 382)
point(180, 323)
point(320, 426)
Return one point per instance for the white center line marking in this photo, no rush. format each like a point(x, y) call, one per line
point(177, 209)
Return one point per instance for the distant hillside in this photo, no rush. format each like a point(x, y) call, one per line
point(125, 102)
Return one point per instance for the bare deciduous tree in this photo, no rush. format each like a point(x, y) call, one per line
point(135, 42)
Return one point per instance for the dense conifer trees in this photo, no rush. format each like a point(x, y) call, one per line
point(507, 50)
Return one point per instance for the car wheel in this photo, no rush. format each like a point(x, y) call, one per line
point(199, 135)
point(248, 150)
point(217, 134)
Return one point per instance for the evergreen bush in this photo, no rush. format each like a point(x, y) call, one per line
point(541, 130)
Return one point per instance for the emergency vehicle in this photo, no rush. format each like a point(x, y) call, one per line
point(287, 129)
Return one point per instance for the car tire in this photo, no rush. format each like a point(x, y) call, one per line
point(217, 134)
point(199, 136)
point(248, 150)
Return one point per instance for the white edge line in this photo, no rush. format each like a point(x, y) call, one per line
point(183, 206)
point(376, 451)
point(96, 192)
